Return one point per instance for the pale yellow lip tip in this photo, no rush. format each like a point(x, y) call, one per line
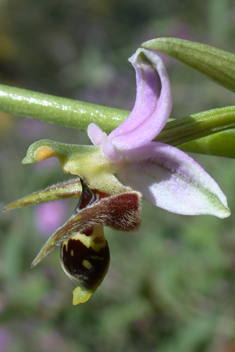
point(80, 295)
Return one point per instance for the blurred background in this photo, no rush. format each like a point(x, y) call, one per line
point(171, 285)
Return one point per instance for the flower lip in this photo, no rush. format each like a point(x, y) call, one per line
point(85, 265)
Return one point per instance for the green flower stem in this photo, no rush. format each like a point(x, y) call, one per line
point(214, 63)
point(57, 110)
point(219, 144)
point(210, 132)
point(188, 128)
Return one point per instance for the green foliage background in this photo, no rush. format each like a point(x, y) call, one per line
point(171, 285)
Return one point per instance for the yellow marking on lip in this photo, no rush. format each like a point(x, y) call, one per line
point(65, 244)
point(87, 264)
point(90, 241)
point(43, 153)
point(72, 253)
point(96, 257)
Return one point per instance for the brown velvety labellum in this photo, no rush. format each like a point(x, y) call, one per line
point(84, 265)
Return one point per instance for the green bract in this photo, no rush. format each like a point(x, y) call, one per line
point(214, 63)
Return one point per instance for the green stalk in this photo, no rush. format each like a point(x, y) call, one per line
point(210, 132)
point(202, 124)
point(57, 110)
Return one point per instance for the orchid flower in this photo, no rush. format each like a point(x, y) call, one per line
point(166, 176)
point(115, 172)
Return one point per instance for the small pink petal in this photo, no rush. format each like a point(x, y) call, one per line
point(111, 154)
point(172, 180)
point(95, 134)
point(153, 103)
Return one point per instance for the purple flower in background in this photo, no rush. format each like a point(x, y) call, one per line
point(166, 176)
point(53, 341)
point(5, 339)
point(31, 129)
point(49, 216)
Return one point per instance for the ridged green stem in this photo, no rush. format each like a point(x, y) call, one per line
point(210, 132)
point(58, 110)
